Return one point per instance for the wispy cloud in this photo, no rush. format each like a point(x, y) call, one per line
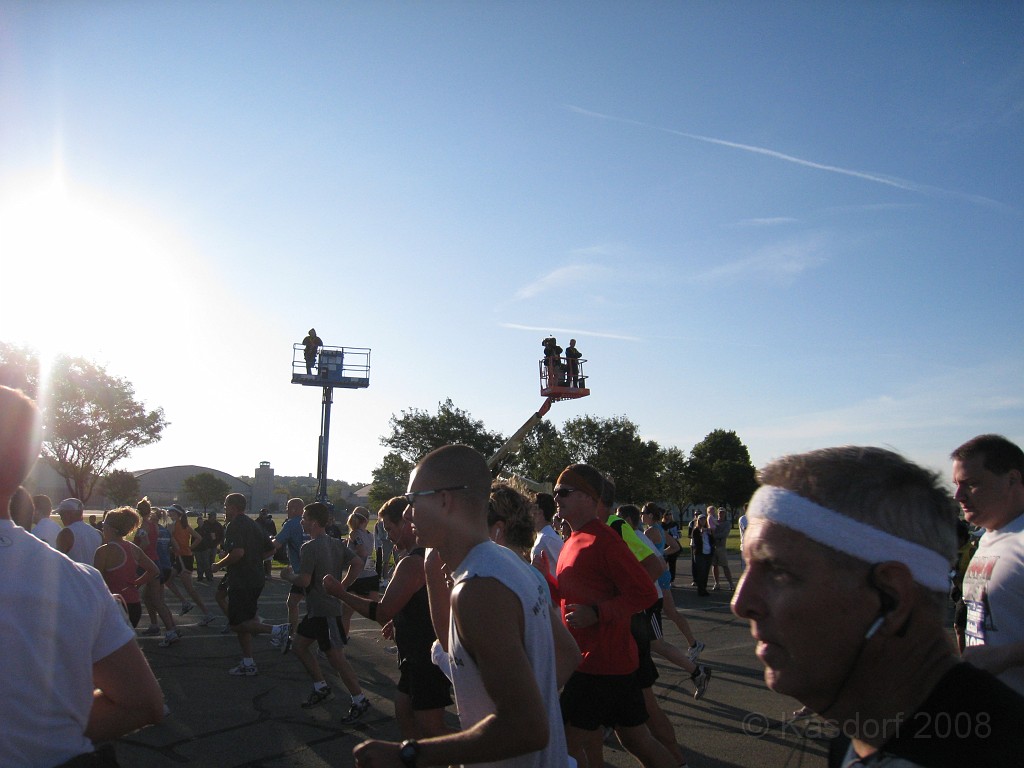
point(574, 332)
point(783, 260)
point(767, 222)
point(563, 278)
point(876, 178)
point(602, 250)
point(925, 419)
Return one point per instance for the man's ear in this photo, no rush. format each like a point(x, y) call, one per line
point(897, 595)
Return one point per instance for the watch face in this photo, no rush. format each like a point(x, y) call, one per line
point(409, 752)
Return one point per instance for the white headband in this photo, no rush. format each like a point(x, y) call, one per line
point(842, 533)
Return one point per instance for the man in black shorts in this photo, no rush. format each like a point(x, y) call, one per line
point(423, 690)
point(323, 556)
point(246, 546)
point(602, 585)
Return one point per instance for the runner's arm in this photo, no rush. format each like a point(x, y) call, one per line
point(127, 696)
point(493, 635)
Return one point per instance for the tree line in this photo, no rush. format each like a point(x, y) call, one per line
point(93, 421)
point(717, 470)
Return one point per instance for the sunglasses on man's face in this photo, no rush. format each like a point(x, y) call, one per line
point(410, 497)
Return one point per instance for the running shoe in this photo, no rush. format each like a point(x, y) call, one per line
point(186, 607)
point(694, 651)
point(151, 630)
point(244, 670)
point(278, 634)
point(226, 630)
point(317, 696)
point(286, 644)
point(357, 710)
point(170, 638)
point(700, 679)
point(207, 619)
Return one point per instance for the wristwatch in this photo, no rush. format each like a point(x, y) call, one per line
point(408, 753)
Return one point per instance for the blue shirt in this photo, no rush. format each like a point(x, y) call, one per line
point(163, 547)
point(292, 537)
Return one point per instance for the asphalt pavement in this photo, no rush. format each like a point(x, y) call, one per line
point(220, 721)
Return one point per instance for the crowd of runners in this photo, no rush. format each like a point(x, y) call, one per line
point(537, 617)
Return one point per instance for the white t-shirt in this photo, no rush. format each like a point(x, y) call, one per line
point(490, 560)
point(994, 594)
point(548, 541)
point(364, 538)
point(46, 530)
point(87, 541)
point(58, 619)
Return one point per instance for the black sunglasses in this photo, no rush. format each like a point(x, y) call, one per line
point(410, 497)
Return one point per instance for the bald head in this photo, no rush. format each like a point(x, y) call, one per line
point(20, 441)
point(452, 466)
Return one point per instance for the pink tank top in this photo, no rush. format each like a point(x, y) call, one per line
point(150, 529)
point(120, 580)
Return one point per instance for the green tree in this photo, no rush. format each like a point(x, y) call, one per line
point(92, 418)
point(720, 470)
point(120, 487)
point(543, 454)
point(614, 447)
point(674, 478)
point(205, 489)
point(19, 368)
point(416, 432)
point(390, 479)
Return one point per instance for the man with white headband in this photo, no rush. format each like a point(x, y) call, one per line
point(848, 551)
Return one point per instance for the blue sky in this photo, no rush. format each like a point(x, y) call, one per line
point(800, 221)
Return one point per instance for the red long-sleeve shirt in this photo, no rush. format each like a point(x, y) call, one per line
point(596, 568)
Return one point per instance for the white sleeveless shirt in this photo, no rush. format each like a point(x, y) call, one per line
point(490, 560)
point(87, 541)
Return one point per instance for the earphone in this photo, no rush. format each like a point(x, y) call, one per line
point(887, 604)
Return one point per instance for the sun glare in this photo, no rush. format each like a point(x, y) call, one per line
point(70, 258)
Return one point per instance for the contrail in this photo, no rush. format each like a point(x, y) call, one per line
point(891, 181)
point(570, 331)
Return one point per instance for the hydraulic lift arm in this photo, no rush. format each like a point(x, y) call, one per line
point(512, 444)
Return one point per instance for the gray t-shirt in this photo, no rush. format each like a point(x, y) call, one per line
point(319, 557)
point(722, 531)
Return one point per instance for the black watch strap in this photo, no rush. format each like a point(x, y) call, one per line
point(408, 753)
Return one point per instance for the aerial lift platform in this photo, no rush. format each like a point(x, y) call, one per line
point(334, 367)
point(554, 386)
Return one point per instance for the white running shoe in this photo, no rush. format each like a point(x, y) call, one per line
point(244, 670)
point(278, 634)
point(700, 679)
point(170, 638)
point(694, 651)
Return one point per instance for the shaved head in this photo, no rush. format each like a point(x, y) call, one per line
point(455, 465)
point(20, 439)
